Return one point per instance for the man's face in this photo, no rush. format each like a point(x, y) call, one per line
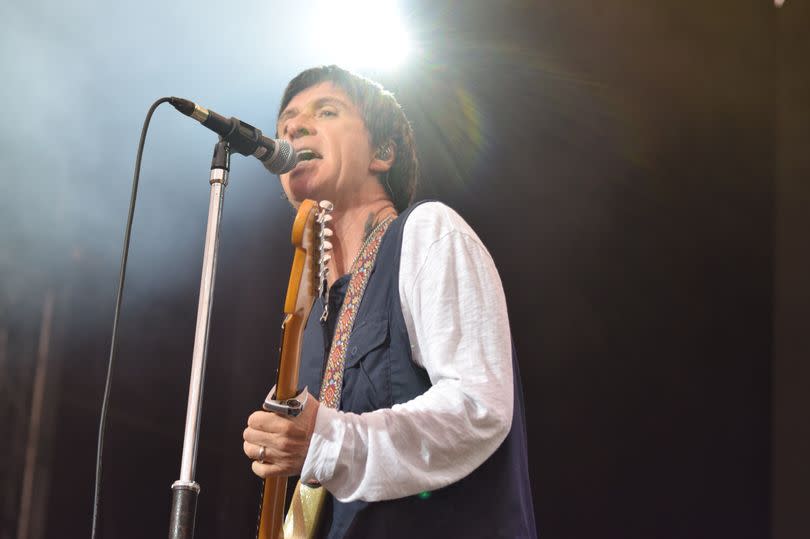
point(332, 142)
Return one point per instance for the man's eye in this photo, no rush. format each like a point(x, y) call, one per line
point(327, 112)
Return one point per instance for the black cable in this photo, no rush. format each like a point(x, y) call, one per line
point(113, 344)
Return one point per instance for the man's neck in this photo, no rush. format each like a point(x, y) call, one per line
point(351, 227)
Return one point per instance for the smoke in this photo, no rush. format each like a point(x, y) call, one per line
point(78, 80)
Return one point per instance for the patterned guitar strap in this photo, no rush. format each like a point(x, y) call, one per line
point(308, 500)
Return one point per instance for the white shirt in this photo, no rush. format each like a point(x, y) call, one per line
point(455, 311)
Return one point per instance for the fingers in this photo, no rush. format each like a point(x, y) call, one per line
point(254, 451)
point(275, 445)
point(278, 451)
point(285, 441)
point(271, 430)
point(265, 470)
point(269, 422)
point(282, 456)
point(275, 463)
point(258, 437)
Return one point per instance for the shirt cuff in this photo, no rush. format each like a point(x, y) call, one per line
point(324, 446)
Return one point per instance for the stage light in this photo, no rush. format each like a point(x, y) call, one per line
point(360, 34)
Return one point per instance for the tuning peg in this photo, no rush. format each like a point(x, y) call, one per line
point(326, 205)
point(327, 245)
point(324, 218)
point(324, 260)
point(326, 232)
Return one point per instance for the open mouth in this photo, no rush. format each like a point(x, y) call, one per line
point(307, 155)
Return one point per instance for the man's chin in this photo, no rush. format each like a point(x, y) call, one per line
point(300, 190)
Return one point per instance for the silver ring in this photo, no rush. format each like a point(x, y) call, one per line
point(260, 458)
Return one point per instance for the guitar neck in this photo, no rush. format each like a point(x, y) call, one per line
point(306, 276)
point(292, 335)
point(272, 515)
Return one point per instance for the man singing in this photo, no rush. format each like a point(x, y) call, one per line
point(420, 429)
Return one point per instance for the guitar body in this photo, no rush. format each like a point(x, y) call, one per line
point(307, 277)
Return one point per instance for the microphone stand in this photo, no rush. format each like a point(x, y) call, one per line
point(185, 489)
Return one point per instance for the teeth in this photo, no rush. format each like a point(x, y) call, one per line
point(306, 154)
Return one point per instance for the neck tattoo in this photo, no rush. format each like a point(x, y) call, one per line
point(369, 226)
point(375, 218)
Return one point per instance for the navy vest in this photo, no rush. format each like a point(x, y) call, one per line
point(495, 500)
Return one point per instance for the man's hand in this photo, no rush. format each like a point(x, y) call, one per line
point(285, 440)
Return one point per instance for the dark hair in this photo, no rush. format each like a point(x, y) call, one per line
point(384, 120)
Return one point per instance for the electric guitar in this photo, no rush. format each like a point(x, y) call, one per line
point(310, 236)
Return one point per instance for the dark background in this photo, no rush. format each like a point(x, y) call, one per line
point(638, 170)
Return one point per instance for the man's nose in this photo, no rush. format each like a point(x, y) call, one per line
point(299, 127)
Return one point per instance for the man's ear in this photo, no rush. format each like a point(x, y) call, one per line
point(384, 157)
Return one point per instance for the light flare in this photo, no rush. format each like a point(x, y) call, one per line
point(361, 34)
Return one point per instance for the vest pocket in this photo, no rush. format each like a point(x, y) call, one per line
point(367, 373)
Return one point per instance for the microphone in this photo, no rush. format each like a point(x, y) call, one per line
point(277, 155)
